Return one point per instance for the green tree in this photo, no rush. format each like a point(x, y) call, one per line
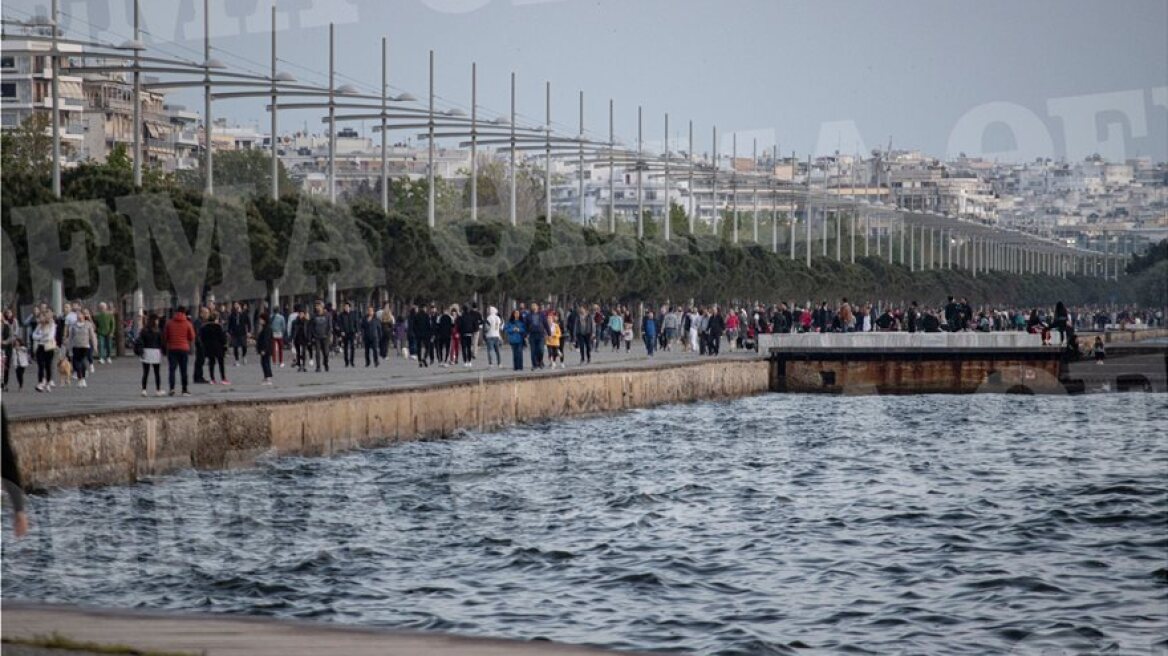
point(29, 148)
point(251, 169)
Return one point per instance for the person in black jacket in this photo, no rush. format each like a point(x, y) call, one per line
point(238, 329)
point(717, 326)
point(348, 323)
point(913, 318)
point(371, 336)
point(300, 338)
point(320, 329)
point(427, 326)
point(469, 323)
point(445, 332)
point(214, 340)
point(264, 343)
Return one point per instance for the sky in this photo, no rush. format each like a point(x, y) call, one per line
point(1004, 79)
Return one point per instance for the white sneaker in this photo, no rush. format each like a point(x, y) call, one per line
point(281, 365)
point(82, 383)
point(160, 393)
point(143, 392)
point(52, 384)
point(236, 364)
point(92, 368)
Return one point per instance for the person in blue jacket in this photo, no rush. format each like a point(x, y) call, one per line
point(516, 331)
point(649, 333)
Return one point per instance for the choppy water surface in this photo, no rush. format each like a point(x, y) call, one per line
point(776, 524)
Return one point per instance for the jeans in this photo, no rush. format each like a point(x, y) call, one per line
point(178, 360)
point(493, 344)
point(217, 358)
point(278, 350)
point(517, 356)
point(349, 346)
point(584, 343)
point(44, 361)
point(375, 350)
point(536, 342)
point(80, 362)
point(650, 343)
point(200, 361)
point(105, 346)
point(238, 343)
point(465, 341)
point(322, 352)
point(266, 364)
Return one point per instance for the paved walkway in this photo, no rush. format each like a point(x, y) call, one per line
point(116, 386)
point(227, 635)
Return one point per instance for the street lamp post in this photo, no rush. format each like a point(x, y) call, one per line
point(666, 186)
point(640, 190)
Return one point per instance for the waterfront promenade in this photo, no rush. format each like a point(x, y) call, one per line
point(116, 386)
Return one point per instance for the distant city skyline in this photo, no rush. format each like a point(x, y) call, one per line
point(1067, 78)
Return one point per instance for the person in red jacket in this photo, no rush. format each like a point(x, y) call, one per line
point(177, 338)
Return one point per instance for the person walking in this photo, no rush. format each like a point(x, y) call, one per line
point(238, 330)
point(516, 331)
point(469, 323)
point(214, 340)
point(555, 339)
point(584, 332)
point(44, 340)
point(348, 323)
point(301, 338)
point(264, 343)
point(537, 332)
point(204, 315)
point(717, 326)
point(148, 348)
point(616, 329)
point(104, 323)
point(279, 329)
point(494, 338)
point(649, 333)
point(388, 332)
point(82, 340)
point(371, 337)
point(11, 336)
point(178, 337)
point(320, 329)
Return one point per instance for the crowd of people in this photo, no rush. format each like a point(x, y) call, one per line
point(68, 346)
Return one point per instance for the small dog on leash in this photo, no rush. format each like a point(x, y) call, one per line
point(65, 371)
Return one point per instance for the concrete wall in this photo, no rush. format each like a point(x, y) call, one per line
point(877, 340)
point(124, 446)
point(854, 371)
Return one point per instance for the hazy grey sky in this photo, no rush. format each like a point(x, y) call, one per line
point(808, 74)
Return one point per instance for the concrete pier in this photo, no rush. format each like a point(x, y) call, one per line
point(125, 442)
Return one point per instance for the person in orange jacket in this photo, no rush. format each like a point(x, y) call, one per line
point(177, 338)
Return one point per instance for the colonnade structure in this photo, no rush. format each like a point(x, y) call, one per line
point(820, 217)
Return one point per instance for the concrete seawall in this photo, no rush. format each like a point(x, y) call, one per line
point(123, 446)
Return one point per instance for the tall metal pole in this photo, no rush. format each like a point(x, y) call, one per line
point(384, 126)
point(911, 251)
point(431, 214)
point(580, 161)
point(474, 141)
point(774, 202)
point(275, 98)
point(754, 188)
point(54, 55)
point(810, 212)
point(640, 191)
point(611, 172)
point(714, 184)
point(794, 207)
point(547, 172)
point(852, 240)
point(514, 214)
point(209, 184)
point(902, 229)
point(734, 183)
point(137, 101)
point(332, 147)
point(692, 192)
point(868, 234)
point(666, 190)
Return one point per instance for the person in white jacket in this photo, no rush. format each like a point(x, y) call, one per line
point(494, 337)
point(82, 339)
point(44, 341)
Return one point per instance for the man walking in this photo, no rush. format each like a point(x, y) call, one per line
point(537, 332)
point(348, 322)
point(105, 322)
point(371, 336)
point(321, 330)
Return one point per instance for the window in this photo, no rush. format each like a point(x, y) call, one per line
point(8, 90)
point(7, 62)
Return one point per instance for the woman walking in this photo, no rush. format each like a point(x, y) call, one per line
point(616, 328)
point(516, 332)
point(44, 339)
point(148, 348)
point(494, 328)
point(82, 340)
point(214, 340)
point(264, 341)
point(584, 332)
point(555, 339)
